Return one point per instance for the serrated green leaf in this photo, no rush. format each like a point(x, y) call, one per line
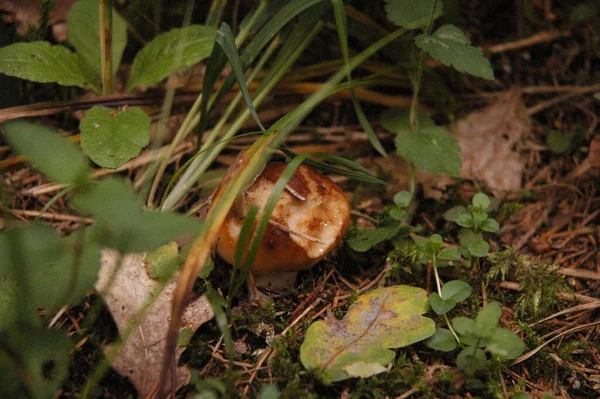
point(42, 62)
point(558, 142)
point(368, 238)
point(48, 152)
point(453, 213)
point(111, 137)
point(490, 225)
point(478, 248)
point(122, 224)
point(441, 340)
point(505, 343)
point(42, 358)
point(456, 290)
point(431, 149)
point(403, 198)
point(412, 14)
point(384, 318)
point(439, 305)
point(450, 45)
point(481, 201)
point(156, 60)
point(448, 254)
point(471, 360)
point(84, 33)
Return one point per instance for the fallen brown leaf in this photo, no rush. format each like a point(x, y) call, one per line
point(141, 356)
point(595, 151)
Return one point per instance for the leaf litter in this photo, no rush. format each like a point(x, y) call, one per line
point(126, 288)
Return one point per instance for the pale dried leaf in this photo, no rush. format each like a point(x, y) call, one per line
point(141, 356)
point(487, 140)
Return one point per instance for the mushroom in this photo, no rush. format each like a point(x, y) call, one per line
point(309, 220)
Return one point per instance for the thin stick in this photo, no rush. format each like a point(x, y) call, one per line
point(105, 13)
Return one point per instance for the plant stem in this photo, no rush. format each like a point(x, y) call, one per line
point(105, 13)
point(439, 289)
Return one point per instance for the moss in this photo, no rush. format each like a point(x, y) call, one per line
point(538, 300)
point(250, 317)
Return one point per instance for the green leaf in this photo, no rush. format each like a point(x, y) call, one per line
point(48, 152)
point(471, 360)
point(111, 137)
point(38, 354)
point(435, 243)
point(558, 142)
point(465, 220)
point(478, 248)
point(368, 238)
point(481, 201)
point(431, 149)
point(397, 214)
point(164, 261)
point(441, 340)
point(84, 34)
point(467, 330)
point(122, 224)
point(362, 369)
point(8, 302)
point(156, 60)
point(412, 14)
point(34, 254)
point(479, 217)
point(487, 318)
point(439, 305)
point(184, 337)
point(42, 62)
point(453, 213)
point(268, 391)
point(490, 225)
point(384, 318)
point(520, 395)
point(467, 236)
point(505, 343)
point(450, 45)
point(456, 290)
point(403, 198)
point(448, 254)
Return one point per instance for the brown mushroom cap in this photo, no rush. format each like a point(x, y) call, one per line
point(309, 220)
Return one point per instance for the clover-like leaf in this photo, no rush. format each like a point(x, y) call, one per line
point(450, 45)
point(489, 225)
point(412, 14)
point(456, 290)
point(439, 305)
point(368, 238)
point(431, 148)
point(170, 51)
point(448, 254)
point(382, 319)
point(505, 343)
point(481, 201)
point(48, 152)
point(478, 248)
point(111, 137)
point(441, 340)
point(471, 360)
point(84, 30)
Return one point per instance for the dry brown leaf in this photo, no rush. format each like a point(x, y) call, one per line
point(595, 151)
point(487, 140)
point(141, 356)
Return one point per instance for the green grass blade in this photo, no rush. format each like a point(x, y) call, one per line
point(342, 29)
point(215, 12)
point(227, 42)
point(218, 302)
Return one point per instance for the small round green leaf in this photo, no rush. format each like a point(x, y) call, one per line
point(435, 243)
point(558, 142)
point(471, 360)
point(403, 198)
point(456, 290)
point(490, 225)
point(439, 305)
point(479, 217)
point(505, 343)
point(487, 318)
point(453, 213)
point(397, 214)
point(110, 137)
point(441, 340)
point(478, 248)
point(481, 201)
